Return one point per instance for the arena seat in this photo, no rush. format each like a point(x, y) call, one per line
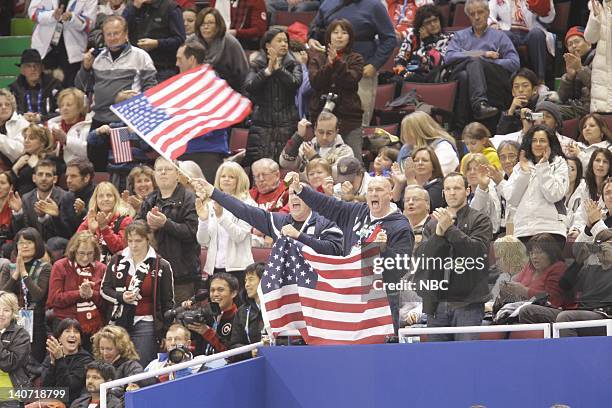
point(261, 254)
point(388, 66)
point(570, 128)
point(101, 176)
point(533, 334)
point(286, 18)
point(440, 95)
point(460, 19)
point(238, 139)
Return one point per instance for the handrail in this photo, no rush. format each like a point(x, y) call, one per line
point(165, 370)
point(409, 332)
point(581, 324)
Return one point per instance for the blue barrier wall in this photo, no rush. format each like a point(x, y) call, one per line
point(512, 373)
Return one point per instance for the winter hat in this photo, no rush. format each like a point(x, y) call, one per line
point(553, 109)
point(575, 30)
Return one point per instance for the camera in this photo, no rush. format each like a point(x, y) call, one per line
point(206, 313)
point(179, 354)
point(534, 116)
point(330, 102)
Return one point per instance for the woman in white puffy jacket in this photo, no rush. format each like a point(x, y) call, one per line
point(60, 36)
point(227, 238)
point(70, 129)
point(538, 185)
point(599, 30)
point(11, 125)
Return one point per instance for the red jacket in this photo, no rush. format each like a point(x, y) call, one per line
point(546, 282)
point(115, 241)
point(64, 288)
point(249, 18)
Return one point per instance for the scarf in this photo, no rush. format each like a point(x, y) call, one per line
point(87, 312)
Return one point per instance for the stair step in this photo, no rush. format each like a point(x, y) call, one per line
point(8, 67)
point(22, 26)
point(5, 81)
point(14, 45)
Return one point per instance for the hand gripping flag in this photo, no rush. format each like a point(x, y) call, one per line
point(329, 299)
point(181, 108)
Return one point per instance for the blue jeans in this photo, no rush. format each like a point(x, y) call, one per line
point(447, 315)
point(143, 336)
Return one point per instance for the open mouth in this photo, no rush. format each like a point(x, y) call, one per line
point(375, 204)
point(296, 206)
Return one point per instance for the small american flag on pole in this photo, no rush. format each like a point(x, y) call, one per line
point(329, 299)
point(181, 108)
point(120, 142)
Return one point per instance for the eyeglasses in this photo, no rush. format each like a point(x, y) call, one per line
point(414, 199)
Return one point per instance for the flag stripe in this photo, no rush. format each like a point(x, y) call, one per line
point(347, 326)
point(367, 253)
point(376, 339)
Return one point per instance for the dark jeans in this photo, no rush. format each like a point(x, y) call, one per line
point(208, 162)
point(535, 40)
point(58, 58)
point(542, 314)
point(448, 315)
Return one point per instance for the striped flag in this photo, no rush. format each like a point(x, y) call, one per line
point(181, 108)
point(120, 142)
point(329, 299)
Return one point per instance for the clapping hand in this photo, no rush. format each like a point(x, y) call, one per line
point(545, 156)
point(86, 289)
point(445, 220)
point(593, 212)
point(79, 206)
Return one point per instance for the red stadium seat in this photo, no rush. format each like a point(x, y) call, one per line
point(286, 18)
point(460, 19)
point(493, 336)
point(261, 254)
point(100, 176)
point(532, 334)
point(384, 94)
point(570, 128)
point(440, 95)
point(608, 120)
point(238, 139)
point(391, 128)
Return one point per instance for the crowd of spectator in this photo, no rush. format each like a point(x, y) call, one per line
point(101, 259)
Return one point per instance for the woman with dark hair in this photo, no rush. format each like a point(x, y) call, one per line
point(28, 278)
point(594, 134)
point(7, 184)
point(421, 55)
point(538, 185)
point(422, 169)
point(575, 194)
point(139, 286)
point(223, 51)
point(598, 170)
point(338, 70)
point(64, 366)
point(141, 183)
point(272, 83)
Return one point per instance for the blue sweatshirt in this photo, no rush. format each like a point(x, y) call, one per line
point(212, 142)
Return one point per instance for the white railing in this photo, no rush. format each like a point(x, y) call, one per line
point(581, 324)
point(165, 370)
point(410, 332)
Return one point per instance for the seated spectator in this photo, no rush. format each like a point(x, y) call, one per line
point(525, 94)
point(34, 90)
point(28, 278)
point(526, 25)
point(157, 28)
point(327, 144)
point(107, 218)
point(189, 19)
point(11, 126)
point(338, 69)
point(421, 55)
point(139, 286)
point(510, 258)
point(245, 19)
point(476, 137)
point(14, 345)
point(112, 345)
point(597, 172)
point(576, 193)
point(70, 129)
point(99, 143)
point(177, 337)
point(539, 181)
point(248, 322)
point(594, 134)
point(140, 183)
point(597, 28)
point(97, 373)
point(98, 72)
point(7, 202)
point(422, 169)
point(418, 129)
point(223, 51)
point(404, 17)
point(74, 205)
point(272, 83)
point(384, 160)
point(588, 278)
point(269, 193)
point(227, 238)
point(575, 86)
point(66, 361)
point(483, 195)
point(74, 286)
point(351, 180)
point(598, 215)
point(319, 175)
point(483, 60)
point(417, 209)
point(109, 8)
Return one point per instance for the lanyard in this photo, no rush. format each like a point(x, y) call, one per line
point(399, 18)
point(38, 100)
point(24, 288)
point(246, 326)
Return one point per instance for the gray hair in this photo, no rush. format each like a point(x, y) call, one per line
point(469, 3)
point(268, 163)
point(512, 143)
point(420, 189)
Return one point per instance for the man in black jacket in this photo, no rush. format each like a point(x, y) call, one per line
point(98, 372)
point(453, 270)
point(248, 322)
point(170, 212)
point(79, 179)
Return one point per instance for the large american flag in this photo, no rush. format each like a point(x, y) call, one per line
point(120, 142)
point(329, 299)
point(185, 106)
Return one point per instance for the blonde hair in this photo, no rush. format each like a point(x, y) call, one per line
point(120, 338)
point(83, 237)
point(510, 254)
point(79, 98)
point(236, 170)
point(424, 129)
point(178, 326)
point(120, 206)
point(11, 98)
point(471, 158)
point(10, 300)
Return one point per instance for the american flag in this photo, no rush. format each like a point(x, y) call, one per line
point(185, 106)
point(120, 142)
point(329, 299)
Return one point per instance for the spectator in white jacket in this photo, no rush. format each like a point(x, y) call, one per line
point(576, 194)
point(508, 152)
point(598, 31)
point(483, 195)
point(71, 128)
point(61, 32)
point(525, 26)
point(598, 215)
point(594, 134)
point(227, 238)
point(538, 186)
point(11, 125)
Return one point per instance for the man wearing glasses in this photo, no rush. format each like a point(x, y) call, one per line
point(416, 209)
point(269, 193)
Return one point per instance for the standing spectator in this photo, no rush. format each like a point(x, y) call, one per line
point(141, 183)
point(112, 344)
point(157, 27)
point(28, 278)
point(11, 126)
point(245, 19)
point(73, 207)
point(269, 193)
point(376, 41)
point(483, 60)
point(597, 31)
point(61, 32)
point(338, 70)
point(457, 231)
point(274, 6)
point(139, 286)
point(594, 134)
point(272, 83)
point(483, 195)
point(526, 25)
point(417, 209)
point(14, 344)
point(97, 373)
point(34, 90)
point(110, 8)
point(74, 286)
point(70, 129)
point(100, 72)
point(170, 213)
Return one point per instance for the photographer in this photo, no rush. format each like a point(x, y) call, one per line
point(178, 346)
point(248, 322)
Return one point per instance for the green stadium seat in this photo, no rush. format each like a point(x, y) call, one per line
point(8, 67)
point(22, 26)
point(5, 81)
point(14, 46)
